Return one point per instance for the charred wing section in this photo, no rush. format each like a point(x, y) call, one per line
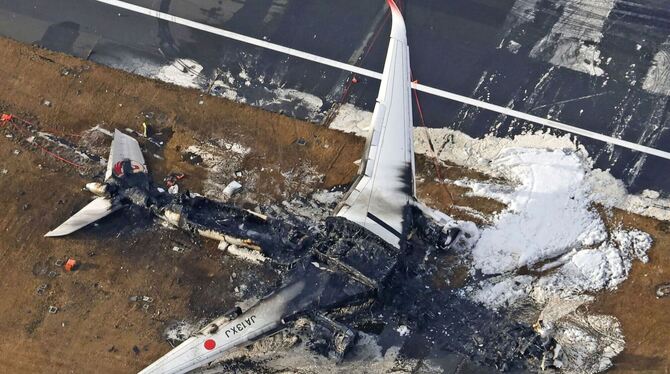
point(354, 250)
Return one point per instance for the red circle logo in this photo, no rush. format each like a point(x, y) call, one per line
point(210, 344)
point(136, 167)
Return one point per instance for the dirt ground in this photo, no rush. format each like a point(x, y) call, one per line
point(644, 317)
point(96, 327)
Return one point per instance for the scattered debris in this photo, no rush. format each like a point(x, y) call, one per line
point(174, 189)
point(223, 245)
point(5, 117)
point(53, 309)
point(178, 249)
point(46, 103)
point(173, 178)
point(403, 330)
point(247, 254)
point(71, 264)
point(301, 141)
point(141, 298)
point(231, 189)
point(41, 288)
point(663, 290)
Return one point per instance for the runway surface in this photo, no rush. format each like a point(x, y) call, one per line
point(602, 66)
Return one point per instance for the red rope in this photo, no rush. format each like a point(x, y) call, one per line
point(49, 129)
point(350, 83)
point(8, 119)
point(430, 142)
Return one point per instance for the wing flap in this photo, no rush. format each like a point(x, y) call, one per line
point(95, 210)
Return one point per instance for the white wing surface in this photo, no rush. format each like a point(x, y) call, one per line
point(222, 335)
point(385, 186)
point(95, 210)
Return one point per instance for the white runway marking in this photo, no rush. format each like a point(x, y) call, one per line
point(376, 75)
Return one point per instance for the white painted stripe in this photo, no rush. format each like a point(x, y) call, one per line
point(241, 38)
point(543, 121)
point(373, 74)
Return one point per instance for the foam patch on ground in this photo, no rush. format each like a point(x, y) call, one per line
point(182, 72)
point(548, 213)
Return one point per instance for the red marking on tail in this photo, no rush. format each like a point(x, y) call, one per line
point(118, 168)
point(393, 6)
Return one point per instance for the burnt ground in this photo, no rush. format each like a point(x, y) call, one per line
point(96, 327)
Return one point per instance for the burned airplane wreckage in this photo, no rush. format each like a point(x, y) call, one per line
point(371, 255)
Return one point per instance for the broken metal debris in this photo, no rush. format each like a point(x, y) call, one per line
point(42, 288)
point(136, 298)
point(231, 189)
point(663, 290)
point(144, 300)
point(173, 178)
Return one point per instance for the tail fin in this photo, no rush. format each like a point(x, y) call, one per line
point(95, 210)
point(379, 197)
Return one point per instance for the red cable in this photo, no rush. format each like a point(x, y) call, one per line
point(45, 150)
point(430, 142)
point(345, 93)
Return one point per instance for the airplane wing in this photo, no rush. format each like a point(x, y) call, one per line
point(95, 210)
point(223, 335)
point(385, 185)
point(124, 147)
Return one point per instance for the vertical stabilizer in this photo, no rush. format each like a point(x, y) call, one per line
point(379, 197)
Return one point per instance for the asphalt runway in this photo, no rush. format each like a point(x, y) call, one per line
point(588, 64)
